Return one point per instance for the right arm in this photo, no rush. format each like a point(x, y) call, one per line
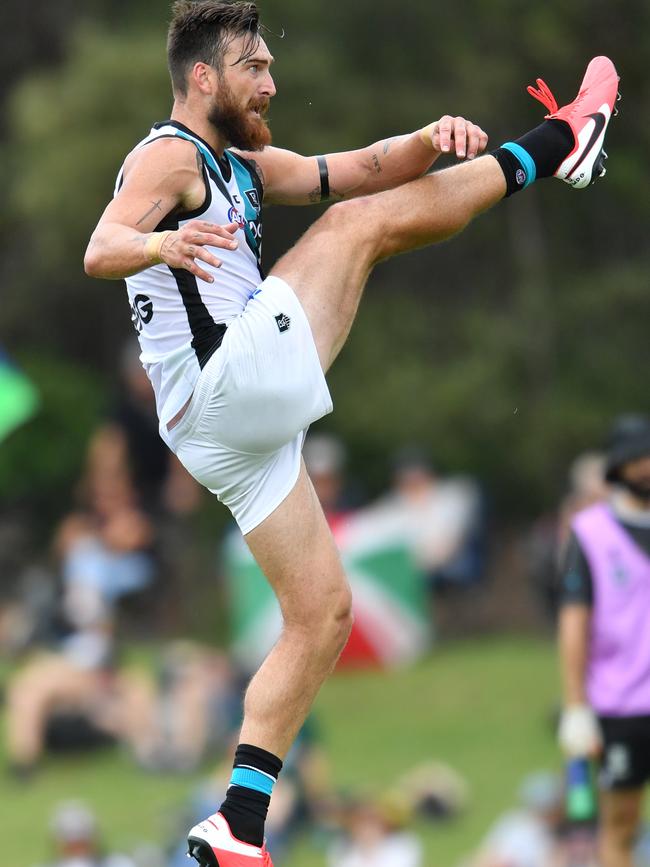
point(573, 639)
point(159, 179)
point(579, 733)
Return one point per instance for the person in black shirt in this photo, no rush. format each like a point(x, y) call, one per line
point(595, 652)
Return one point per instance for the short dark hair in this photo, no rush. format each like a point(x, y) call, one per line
point(201, 31)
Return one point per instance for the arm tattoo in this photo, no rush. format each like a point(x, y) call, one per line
point(316, 197)
point(199, 163)
point(389, 142)
point(376, 163)
point(155, 207)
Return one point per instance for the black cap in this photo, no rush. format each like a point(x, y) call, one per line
point(629, 439)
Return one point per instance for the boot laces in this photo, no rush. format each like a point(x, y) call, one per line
point(543, 94)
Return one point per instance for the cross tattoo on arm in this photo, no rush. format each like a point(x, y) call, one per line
point(155, 206)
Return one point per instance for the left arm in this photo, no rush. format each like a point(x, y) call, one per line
point(291, 179)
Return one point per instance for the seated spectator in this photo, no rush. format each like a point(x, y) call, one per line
point(442, 517)
point(376, 835)
point(529, 835)
point(132, 485)
point(192, 711)
point(76, 842)
point(441, 521)
point(73, 698)
point(325, 459)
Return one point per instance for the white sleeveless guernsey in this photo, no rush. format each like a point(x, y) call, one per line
point(179, 318)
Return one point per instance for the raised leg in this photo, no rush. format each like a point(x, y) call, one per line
point(329, 266)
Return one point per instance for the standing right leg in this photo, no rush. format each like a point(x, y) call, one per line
point(620, 819)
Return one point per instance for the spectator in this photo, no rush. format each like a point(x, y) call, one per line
point(193, 710)
point(376, 835)
point(549, 536)
point(325, 458)
point(132, 496)
point(442, 522)
point(73, 699)
point(527, 836)
point(442, 518)
point(605, 639)
point(76, 842)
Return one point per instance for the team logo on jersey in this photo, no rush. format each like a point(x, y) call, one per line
point(141, 312)
point(235, 217)
point(284, 322)
point(619, 571)
point(253, 198)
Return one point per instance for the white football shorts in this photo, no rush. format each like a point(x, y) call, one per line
point(242, 433)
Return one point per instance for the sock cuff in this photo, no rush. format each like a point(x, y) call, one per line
point(259, 759)
point(525, 160)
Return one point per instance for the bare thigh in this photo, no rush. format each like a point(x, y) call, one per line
point(295, 550)
point(329, 267)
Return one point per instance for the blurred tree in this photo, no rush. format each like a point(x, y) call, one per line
point(497, 349)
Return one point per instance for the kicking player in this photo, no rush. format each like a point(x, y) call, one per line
point(238, 361)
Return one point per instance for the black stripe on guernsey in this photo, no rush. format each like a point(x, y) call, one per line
point(257, 181)
point(207, 334)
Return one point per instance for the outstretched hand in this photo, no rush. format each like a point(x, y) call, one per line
point(455, 135)
point(184, 247)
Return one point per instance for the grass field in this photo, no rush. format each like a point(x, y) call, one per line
point(481, 706)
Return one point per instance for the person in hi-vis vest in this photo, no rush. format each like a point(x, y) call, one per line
point(604, 639)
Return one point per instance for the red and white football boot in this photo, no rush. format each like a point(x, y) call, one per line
point(212, 844)
point(588, 116)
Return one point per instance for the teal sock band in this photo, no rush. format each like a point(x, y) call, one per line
point(525, 159)
point(249, 778)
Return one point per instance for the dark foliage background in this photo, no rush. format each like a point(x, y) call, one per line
point(505, 351)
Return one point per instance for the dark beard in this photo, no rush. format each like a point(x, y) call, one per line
point(237, 125)
point(640, 490)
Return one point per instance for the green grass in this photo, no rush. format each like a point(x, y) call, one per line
point(482, 706)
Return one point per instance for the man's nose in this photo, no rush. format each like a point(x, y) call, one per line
point(268, 88)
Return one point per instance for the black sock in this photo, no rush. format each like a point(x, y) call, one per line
point(537, 154)
point(246, 806)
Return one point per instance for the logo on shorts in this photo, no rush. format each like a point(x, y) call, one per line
point(284, 322)
point(617, 765)
point(521, 177)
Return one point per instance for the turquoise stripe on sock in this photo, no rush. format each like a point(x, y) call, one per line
point(247, 778)
point(525, 159)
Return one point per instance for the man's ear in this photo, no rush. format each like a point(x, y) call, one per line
point(205, 78)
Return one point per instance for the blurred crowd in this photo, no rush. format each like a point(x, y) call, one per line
point(116, 574)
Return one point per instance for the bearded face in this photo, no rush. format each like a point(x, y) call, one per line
point(243, 126)
point(635, 476)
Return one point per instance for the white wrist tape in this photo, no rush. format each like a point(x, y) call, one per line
point(153, 246)
point(579, 733)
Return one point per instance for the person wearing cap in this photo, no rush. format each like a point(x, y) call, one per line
point(76, 839)
point(604, 639)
